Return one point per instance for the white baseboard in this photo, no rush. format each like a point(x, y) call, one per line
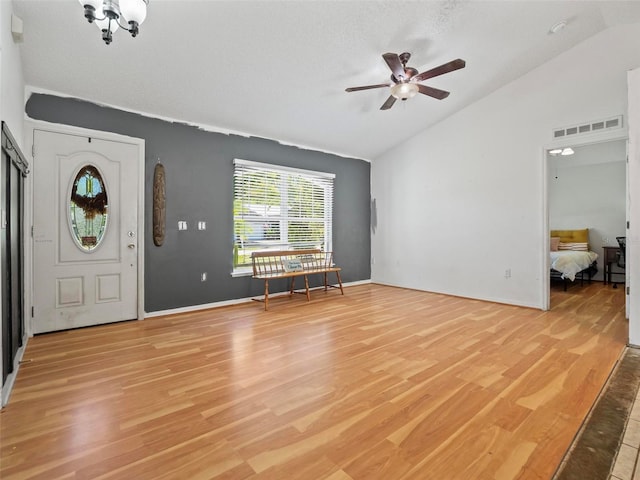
point(503, 301)
point(226, 303)
point(8, 385)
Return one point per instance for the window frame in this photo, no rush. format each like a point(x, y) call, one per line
point(325, 179)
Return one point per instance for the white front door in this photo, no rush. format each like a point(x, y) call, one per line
point(85, 231)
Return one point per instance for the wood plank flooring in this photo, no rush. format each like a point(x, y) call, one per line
point(381, 383)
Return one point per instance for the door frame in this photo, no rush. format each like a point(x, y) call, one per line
point(582, 140)
point(5, 389)
point(30, 127)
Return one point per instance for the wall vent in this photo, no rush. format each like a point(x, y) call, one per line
point(598, 126)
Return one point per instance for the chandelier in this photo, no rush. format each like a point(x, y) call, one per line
point(108, 15)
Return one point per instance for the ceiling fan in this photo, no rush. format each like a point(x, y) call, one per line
point(404, 80)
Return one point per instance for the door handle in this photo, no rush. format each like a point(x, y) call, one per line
point(131, 245)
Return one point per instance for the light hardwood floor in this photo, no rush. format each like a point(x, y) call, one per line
point(381, 383)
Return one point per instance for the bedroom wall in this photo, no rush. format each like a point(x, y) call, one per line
point(199, 186)
point(460, 207)
point(588, 190)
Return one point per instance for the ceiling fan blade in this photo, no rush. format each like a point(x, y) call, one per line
point(389, 103)
point(393, 60)
point(442, 69)
point(433, 92)
point(366, 87)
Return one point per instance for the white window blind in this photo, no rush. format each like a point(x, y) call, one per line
point(279, 208)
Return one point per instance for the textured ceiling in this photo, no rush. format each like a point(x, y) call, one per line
point(278, 69)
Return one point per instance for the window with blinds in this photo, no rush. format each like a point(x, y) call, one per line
point(279, 208)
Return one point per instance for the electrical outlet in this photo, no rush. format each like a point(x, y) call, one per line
point(203, 277)
point(507, 273)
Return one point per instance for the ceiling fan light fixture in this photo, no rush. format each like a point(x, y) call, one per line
point(405, 80)
point(403, 91)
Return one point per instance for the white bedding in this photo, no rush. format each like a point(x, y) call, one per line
point(569, 262)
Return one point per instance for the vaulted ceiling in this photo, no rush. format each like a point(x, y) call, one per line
point(279, 69)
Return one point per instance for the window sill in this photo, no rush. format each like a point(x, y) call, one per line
point(242, 272)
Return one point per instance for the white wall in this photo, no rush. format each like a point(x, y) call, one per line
point(11, 78)
point(461, 205)
point(588, 190)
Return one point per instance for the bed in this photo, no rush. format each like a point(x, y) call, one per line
point(571, 258)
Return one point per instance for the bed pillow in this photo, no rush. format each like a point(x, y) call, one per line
point(576, 246)
point(555, 242)
point(572, 235)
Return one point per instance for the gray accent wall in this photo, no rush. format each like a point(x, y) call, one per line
point(199, 187)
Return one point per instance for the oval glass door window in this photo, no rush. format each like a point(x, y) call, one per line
point(88, 208)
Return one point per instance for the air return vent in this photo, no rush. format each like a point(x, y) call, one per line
point(591, 127)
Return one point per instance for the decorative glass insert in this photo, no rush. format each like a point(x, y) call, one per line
point(88, 208)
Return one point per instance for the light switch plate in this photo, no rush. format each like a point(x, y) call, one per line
point(182, 225)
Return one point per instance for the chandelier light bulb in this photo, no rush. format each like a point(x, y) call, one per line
point(96, 4)
point(133, 10)
point(103, 24)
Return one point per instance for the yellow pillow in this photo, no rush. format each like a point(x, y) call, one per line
point(572, 236)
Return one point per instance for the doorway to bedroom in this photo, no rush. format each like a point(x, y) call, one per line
point(587, 189)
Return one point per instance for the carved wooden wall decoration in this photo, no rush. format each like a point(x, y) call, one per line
point(159, 211)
